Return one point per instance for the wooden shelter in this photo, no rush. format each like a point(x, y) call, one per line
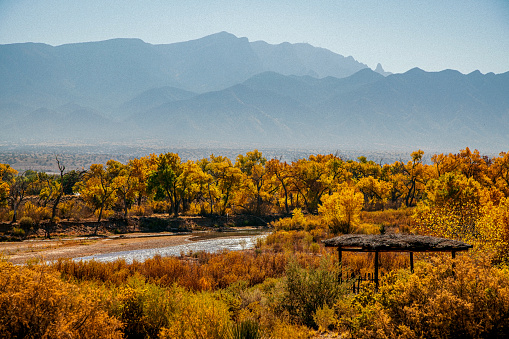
point(394, 243)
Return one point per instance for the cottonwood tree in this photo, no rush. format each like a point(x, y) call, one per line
point(226, 179)
point(254, 189)
point(7, 175)
point(98, 189)
point(18, 192)
point(375, 191)
point(52, 191)
point(173, 180)
point(124, 182)
point(280, 173)
point(340, 210)
point(310, 179)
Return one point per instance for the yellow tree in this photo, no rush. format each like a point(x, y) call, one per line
point(280, 174)
point(7, 175)
point(53, 188)
point(452, 207)
point(363, 168)
point(18, 190)
point(140, 169)
point(98, 189)
point(311, 179)
point(125, 183)
point(254, 188)
point(228, 180)
point(173, 180)
point(411, 178)
point(473, 165)
point(340, 210)
point(219, 181)
point(375, 191)
point(499, 173)
point(164, 180)
point(192, 183)
point(461, 208)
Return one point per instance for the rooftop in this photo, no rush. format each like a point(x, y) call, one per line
point(395, 243)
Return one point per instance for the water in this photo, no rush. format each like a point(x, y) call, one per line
point(207, 243)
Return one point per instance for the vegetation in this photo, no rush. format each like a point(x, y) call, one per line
point(287, 286)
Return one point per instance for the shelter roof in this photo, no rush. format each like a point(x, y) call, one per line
point(395, 243)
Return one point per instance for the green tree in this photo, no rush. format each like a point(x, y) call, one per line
point(174, 180)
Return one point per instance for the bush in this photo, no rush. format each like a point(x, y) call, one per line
point(35, 303)
point(197, 315)
point(26, 224)
point(247, 329)
point(18, 232)
point(297, 222)
point(142, 307)
point(471, 301)
point(308, 290)
point(70, 209)
point(140, 211)
point(36, 213)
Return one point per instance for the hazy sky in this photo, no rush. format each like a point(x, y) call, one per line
point(401, 34)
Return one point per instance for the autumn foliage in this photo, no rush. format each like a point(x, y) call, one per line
point(287, 285)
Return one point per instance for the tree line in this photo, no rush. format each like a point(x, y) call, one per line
point(251, 185)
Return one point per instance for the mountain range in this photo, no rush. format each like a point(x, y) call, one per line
point(227, 90)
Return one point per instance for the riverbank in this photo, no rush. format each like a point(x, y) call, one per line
point(53, 249)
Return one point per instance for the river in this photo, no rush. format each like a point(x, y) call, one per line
point(209, 242)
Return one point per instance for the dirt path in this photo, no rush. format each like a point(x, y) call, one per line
point(21, 252)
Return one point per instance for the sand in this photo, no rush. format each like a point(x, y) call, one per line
point(30, 250)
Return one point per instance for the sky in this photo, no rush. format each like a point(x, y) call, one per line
point(434, 35)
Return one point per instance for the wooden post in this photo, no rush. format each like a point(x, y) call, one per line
point(412, 262)
point(340, 254)
point(376, 270)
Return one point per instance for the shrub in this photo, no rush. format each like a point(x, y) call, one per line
point(35, 303)
point(142, 307)
point(26, 224)
point(36, 213)
point(70, 209)
point(247, 329)
point(197, 315)
point(471, 301)
point(308, 290)
point(297, 222)
point(140, 211)
point(324, 318)
point(18, 232)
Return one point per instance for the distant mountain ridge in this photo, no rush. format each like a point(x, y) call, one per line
point(227, 90)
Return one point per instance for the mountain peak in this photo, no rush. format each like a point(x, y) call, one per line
point(380, 70)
